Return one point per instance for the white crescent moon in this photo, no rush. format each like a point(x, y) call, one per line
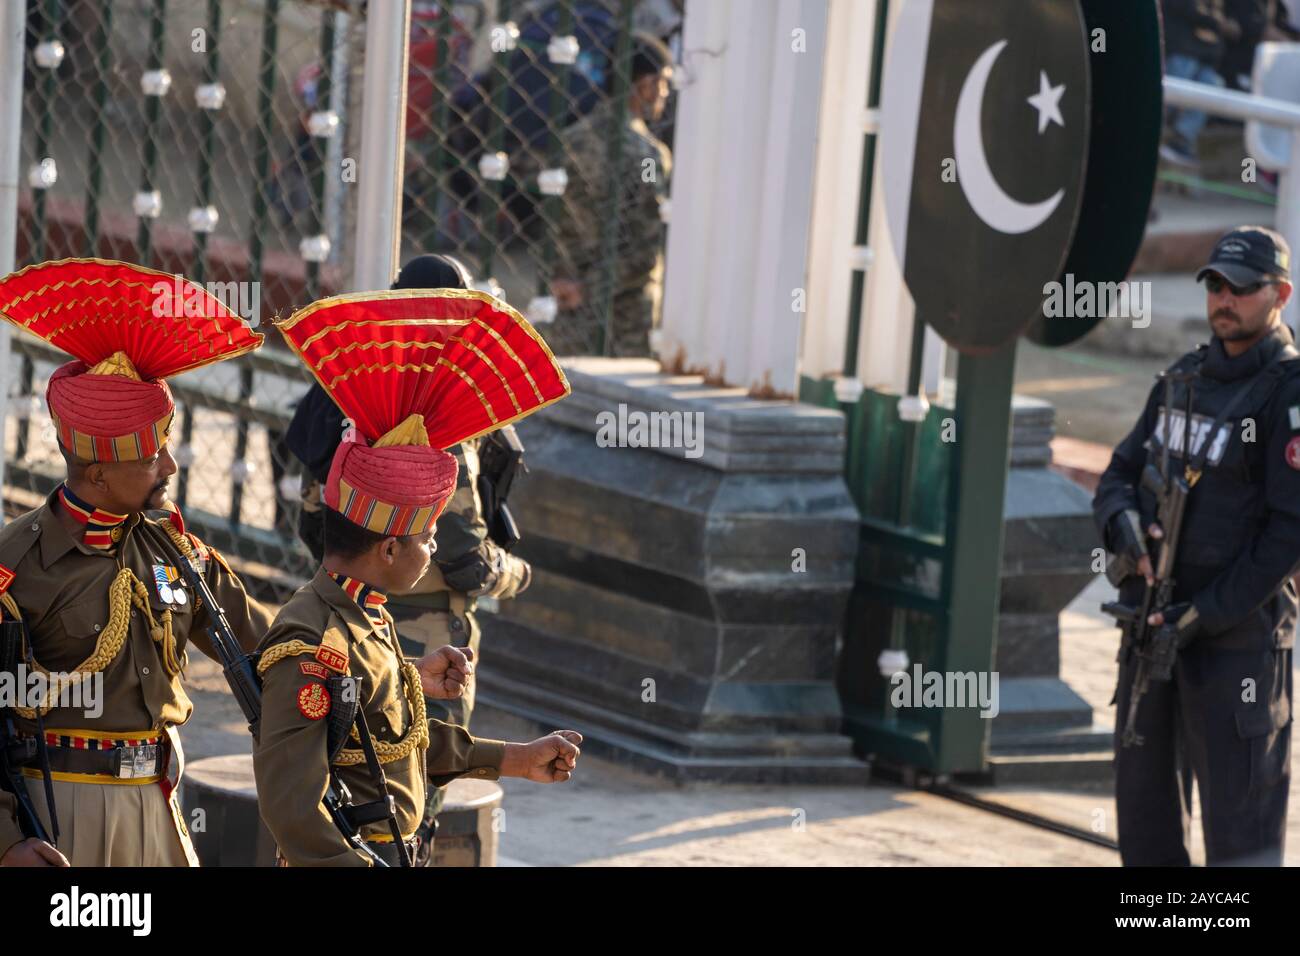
point(990, 202)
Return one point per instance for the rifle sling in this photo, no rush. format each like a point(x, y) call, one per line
point(380, 781)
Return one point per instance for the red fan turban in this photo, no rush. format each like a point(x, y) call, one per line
point(393, 487)
point(108, 413)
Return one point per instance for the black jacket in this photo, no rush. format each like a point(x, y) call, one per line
point(1194, 28)
point(1241, 534)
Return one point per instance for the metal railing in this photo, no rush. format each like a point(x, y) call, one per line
point(1232, 104)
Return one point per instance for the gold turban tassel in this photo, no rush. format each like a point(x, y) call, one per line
point(116, 364)
point(410, 432)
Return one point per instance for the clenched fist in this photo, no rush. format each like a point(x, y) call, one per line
point(549, 759)
point(446, 672)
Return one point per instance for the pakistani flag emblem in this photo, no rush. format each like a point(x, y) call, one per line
point(984, 136)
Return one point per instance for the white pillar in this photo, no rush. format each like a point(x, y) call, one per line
point(13, 17)
point(839, 170)
point(1288, 217)
point(887, 315)
point(738, 243)
point(383, 132)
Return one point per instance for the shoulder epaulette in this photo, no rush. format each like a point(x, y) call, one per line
point(16, 539)
point(331, 653)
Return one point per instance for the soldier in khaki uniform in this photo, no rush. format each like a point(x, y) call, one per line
point(96, 580)
point(433, 613)
point(640, 184)
point(385, 490)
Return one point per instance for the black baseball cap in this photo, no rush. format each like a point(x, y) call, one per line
point(1250, 254)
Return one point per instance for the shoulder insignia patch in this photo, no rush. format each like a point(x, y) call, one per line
point(334, 660)
point(314, 701)
point(314, 669)
point(6, 578)
point(1293, 453)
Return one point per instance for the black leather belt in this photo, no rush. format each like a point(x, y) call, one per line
point(122, 763)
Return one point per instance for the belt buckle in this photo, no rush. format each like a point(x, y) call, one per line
point(146, 759)
point(137, 761)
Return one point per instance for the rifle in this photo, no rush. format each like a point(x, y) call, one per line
point(241, 674)
point(501, 458)
point(1156, 648)
point(17, 752)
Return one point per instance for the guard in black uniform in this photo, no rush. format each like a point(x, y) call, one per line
point(1225, 717)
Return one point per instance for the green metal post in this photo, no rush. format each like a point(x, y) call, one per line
point(491, 192)
point(52, 15)
point(317, 216)
point(262, 143)
point(973, 543)
point(203, 198)
point(862, 230)
point(152, 113)
point(256, 241)
point(99, 97)
point(441, 159)
point(26, 378)
point(609, 227)
point(556, 109)
point(207, 141)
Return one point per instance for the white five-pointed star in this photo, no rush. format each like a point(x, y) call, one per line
point(1048, 103)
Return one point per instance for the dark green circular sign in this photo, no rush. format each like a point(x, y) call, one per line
point(1127, 106)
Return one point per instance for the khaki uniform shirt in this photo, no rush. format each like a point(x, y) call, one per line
point(61, 587)
point(290, 758)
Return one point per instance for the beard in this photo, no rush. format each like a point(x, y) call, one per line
point(1235, 329)
point(161, 487)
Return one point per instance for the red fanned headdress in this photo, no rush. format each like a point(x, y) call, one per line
point(417, 371)
point(127, 328)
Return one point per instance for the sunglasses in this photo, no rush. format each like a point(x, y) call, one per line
point(1217, 284)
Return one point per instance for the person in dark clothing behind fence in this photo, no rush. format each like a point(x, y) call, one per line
point(468, 566)
point(640, 184)
point(1195, 33)
point(1253, 17)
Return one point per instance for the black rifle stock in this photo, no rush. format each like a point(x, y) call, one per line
point(501, 459)
point(16, 751)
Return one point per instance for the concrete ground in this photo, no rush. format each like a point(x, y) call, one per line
point(609, 815)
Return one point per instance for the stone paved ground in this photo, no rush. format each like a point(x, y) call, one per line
point(611, 816)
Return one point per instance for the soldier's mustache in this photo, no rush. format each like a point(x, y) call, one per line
point(1227, 314)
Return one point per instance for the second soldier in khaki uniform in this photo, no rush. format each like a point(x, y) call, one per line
point(386, 487)
point(468, 566)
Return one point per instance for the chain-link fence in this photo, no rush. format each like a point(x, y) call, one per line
point(216, 139)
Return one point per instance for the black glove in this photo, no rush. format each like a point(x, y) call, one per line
point(1128, 542)
point(1127, 536)
point(1182, 625)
